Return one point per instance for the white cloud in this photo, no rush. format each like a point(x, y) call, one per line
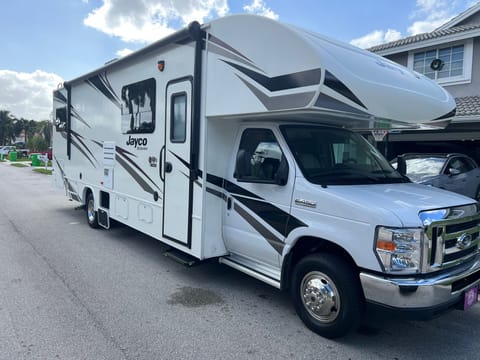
point(150, 20)
point(376, 37)
point(430, 14)
point(124, 52)
point(28, 95)
point(427, 16)
point(260, 8)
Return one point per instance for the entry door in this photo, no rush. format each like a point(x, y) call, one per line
point(177, 206)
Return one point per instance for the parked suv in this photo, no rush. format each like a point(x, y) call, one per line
point(454, 172)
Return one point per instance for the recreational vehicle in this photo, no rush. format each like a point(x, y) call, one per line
point(233, 140)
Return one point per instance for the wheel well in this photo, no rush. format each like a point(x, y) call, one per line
point(306, 246)
point(86, 192)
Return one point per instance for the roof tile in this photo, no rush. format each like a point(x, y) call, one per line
point(468, 105)
point(425, 36)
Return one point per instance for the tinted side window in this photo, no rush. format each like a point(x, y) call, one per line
point(138, 107)
point(258, 156)
point(178, 125)
point(61, 119)
point(460, 164)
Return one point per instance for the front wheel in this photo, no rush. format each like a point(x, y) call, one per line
point(92, 216)
point(327, 295)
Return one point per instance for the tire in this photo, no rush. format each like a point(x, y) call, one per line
point(92, 216)
point(327, 295)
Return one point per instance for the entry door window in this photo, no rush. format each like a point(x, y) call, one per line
point(178, 119)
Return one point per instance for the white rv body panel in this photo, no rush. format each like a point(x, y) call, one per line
point(341, 211)
point(228, 140)
point(296, 73)
point(131, 177)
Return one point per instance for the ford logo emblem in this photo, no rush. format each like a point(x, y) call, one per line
point(464, 241)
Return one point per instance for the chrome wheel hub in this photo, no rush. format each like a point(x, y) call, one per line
point(320, 296)
point(90, 211)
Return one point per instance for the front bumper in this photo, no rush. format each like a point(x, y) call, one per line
point(416, 293)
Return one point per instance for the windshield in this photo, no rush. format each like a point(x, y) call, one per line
point(421, 168)
point(330, 156)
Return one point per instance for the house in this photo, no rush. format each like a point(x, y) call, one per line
point(451, 56)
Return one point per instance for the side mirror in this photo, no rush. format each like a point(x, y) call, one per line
point(281, 176)
point(401, 165)
point(242, 165)
point(453, 172)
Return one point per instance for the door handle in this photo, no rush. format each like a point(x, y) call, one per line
point(168, 167)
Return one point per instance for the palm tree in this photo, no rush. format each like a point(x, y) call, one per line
point(7, 131)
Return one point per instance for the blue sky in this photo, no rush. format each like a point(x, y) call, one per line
point(44, 42)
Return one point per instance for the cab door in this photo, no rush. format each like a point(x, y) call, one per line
point(178, 185)
point(259, 189)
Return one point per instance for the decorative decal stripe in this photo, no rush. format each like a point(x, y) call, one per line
point(282, 82)
point(448, 115)
point(226, 54)
point(82, 151)
point(80, 140)
point(186, 164)
point(122, 152)
point(215, 180)
point(224, 45)
point(271, 214)
point(271, 238)
point(327, 102)
point(336, 85)
point(143, 184)
point(101, 83)
point(283, 101)
point(58, 96)
point(68, 185)
point(278, 219)
point(235, 189)
point(216, 193)
point(77, 116)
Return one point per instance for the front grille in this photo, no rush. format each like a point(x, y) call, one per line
point(461, 226)
point(446, 247)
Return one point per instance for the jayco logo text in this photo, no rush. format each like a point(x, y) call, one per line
point(137, 142)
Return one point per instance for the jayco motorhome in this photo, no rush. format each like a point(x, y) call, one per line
point(232, 140)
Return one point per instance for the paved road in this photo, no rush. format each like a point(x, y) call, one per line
point(71, 292)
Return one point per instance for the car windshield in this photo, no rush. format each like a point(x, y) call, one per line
point(422, 167)
point(331, 156)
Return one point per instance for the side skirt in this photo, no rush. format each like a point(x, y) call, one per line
point(249, 271)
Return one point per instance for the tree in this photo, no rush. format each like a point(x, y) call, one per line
point(7, 131)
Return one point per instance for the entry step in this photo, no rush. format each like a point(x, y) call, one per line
point(181, 257)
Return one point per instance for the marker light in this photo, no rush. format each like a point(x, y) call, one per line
point(161, 65)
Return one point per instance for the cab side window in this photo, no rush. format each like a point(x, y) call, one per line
point(461, 165)
point(259, 157)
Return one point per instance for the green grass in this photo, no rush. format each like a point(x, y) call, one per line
point(43, 171)
point(19, 165)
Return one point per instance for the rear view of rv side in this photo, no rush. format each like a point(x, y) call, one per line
point(223, 145)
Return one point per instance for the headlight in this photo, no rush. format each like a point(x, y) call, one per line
point(399, 249)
